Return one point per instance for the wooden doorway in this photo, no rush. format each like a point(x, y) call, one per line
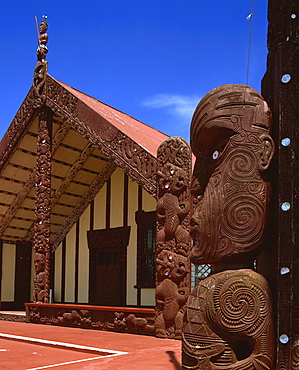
point(108, 261)
point(22, 274)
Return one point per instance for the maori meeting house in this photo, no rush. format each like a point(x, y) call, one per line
point(108, 224)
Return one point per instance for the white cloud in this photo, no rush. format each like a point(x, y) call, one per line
point(179, 105)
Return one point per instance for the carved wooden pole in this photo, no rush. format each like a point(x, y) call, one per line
point(280, 89)
point(42, 246)
point(172, 238)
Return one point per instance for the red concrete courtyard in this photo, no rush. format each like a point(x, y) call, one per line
point(26, 346)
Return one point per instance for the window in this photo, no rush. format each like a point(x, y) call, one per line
point(199, 273)
point(146, 252)
point(148, 256)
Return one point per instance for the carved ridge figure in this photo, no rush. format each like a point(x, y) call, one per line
point(228, 320)
point(41, 68)
point(43, 37)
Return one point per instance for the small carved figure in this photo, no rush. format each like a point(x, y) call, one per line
point(171, 292)
point(170, 212)
point(81, 318)
point(120, 321)
point(39, 277)
point(35, 315)
point(134, 322)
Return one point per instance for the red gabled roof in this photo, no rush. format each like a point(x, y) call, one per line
point(147, 137)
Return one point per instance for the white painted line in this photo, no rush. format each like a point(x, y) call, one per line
point(3, 350)
point(71, 362)
point(5, 313)
point(61, 344)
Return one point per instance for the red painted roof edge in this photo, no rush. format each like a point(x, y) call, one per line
point(144, 135)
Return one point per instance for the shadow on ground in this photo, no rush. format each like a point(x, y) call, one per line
point(174, 360)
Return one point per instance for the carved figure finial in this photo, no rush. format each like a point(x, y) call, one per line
point(42, 38)
point(41, 68)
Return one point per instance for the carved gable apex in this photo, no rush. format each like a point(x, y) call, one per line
point(129, 143)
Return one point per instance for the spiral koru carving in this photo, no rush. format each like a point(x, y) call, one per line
point(239, 303)
point(241, 221)
point(242, 164)
point(228, 323)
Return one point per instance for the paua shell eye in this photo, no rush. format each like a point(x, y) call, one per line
point(215, 155)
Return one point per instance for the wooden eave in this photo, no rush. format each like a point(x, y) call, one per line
point(90, 139)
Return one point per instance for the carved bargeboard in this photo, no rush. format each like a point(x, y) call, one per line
point(228, 321)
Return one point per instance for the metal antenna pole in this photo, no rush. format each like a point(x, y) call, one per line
point(250, 18)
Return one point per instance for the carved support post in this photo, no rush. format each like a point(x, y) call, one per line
point(42, 246)
point(172, 238)
point(280, 89)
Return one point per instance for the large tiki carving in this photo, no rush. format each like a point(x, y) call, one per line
point(172, 238)
point(228, 320)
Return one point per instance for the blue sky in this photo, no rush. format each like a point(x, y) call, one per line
point(152, 59)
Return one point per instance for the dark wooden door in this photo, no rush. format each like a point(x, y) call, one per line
point(22, 274)
point(108, 264)
point(108, 277)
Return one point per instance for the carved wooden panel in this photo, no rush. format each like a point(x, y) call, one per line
point(124, 320)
